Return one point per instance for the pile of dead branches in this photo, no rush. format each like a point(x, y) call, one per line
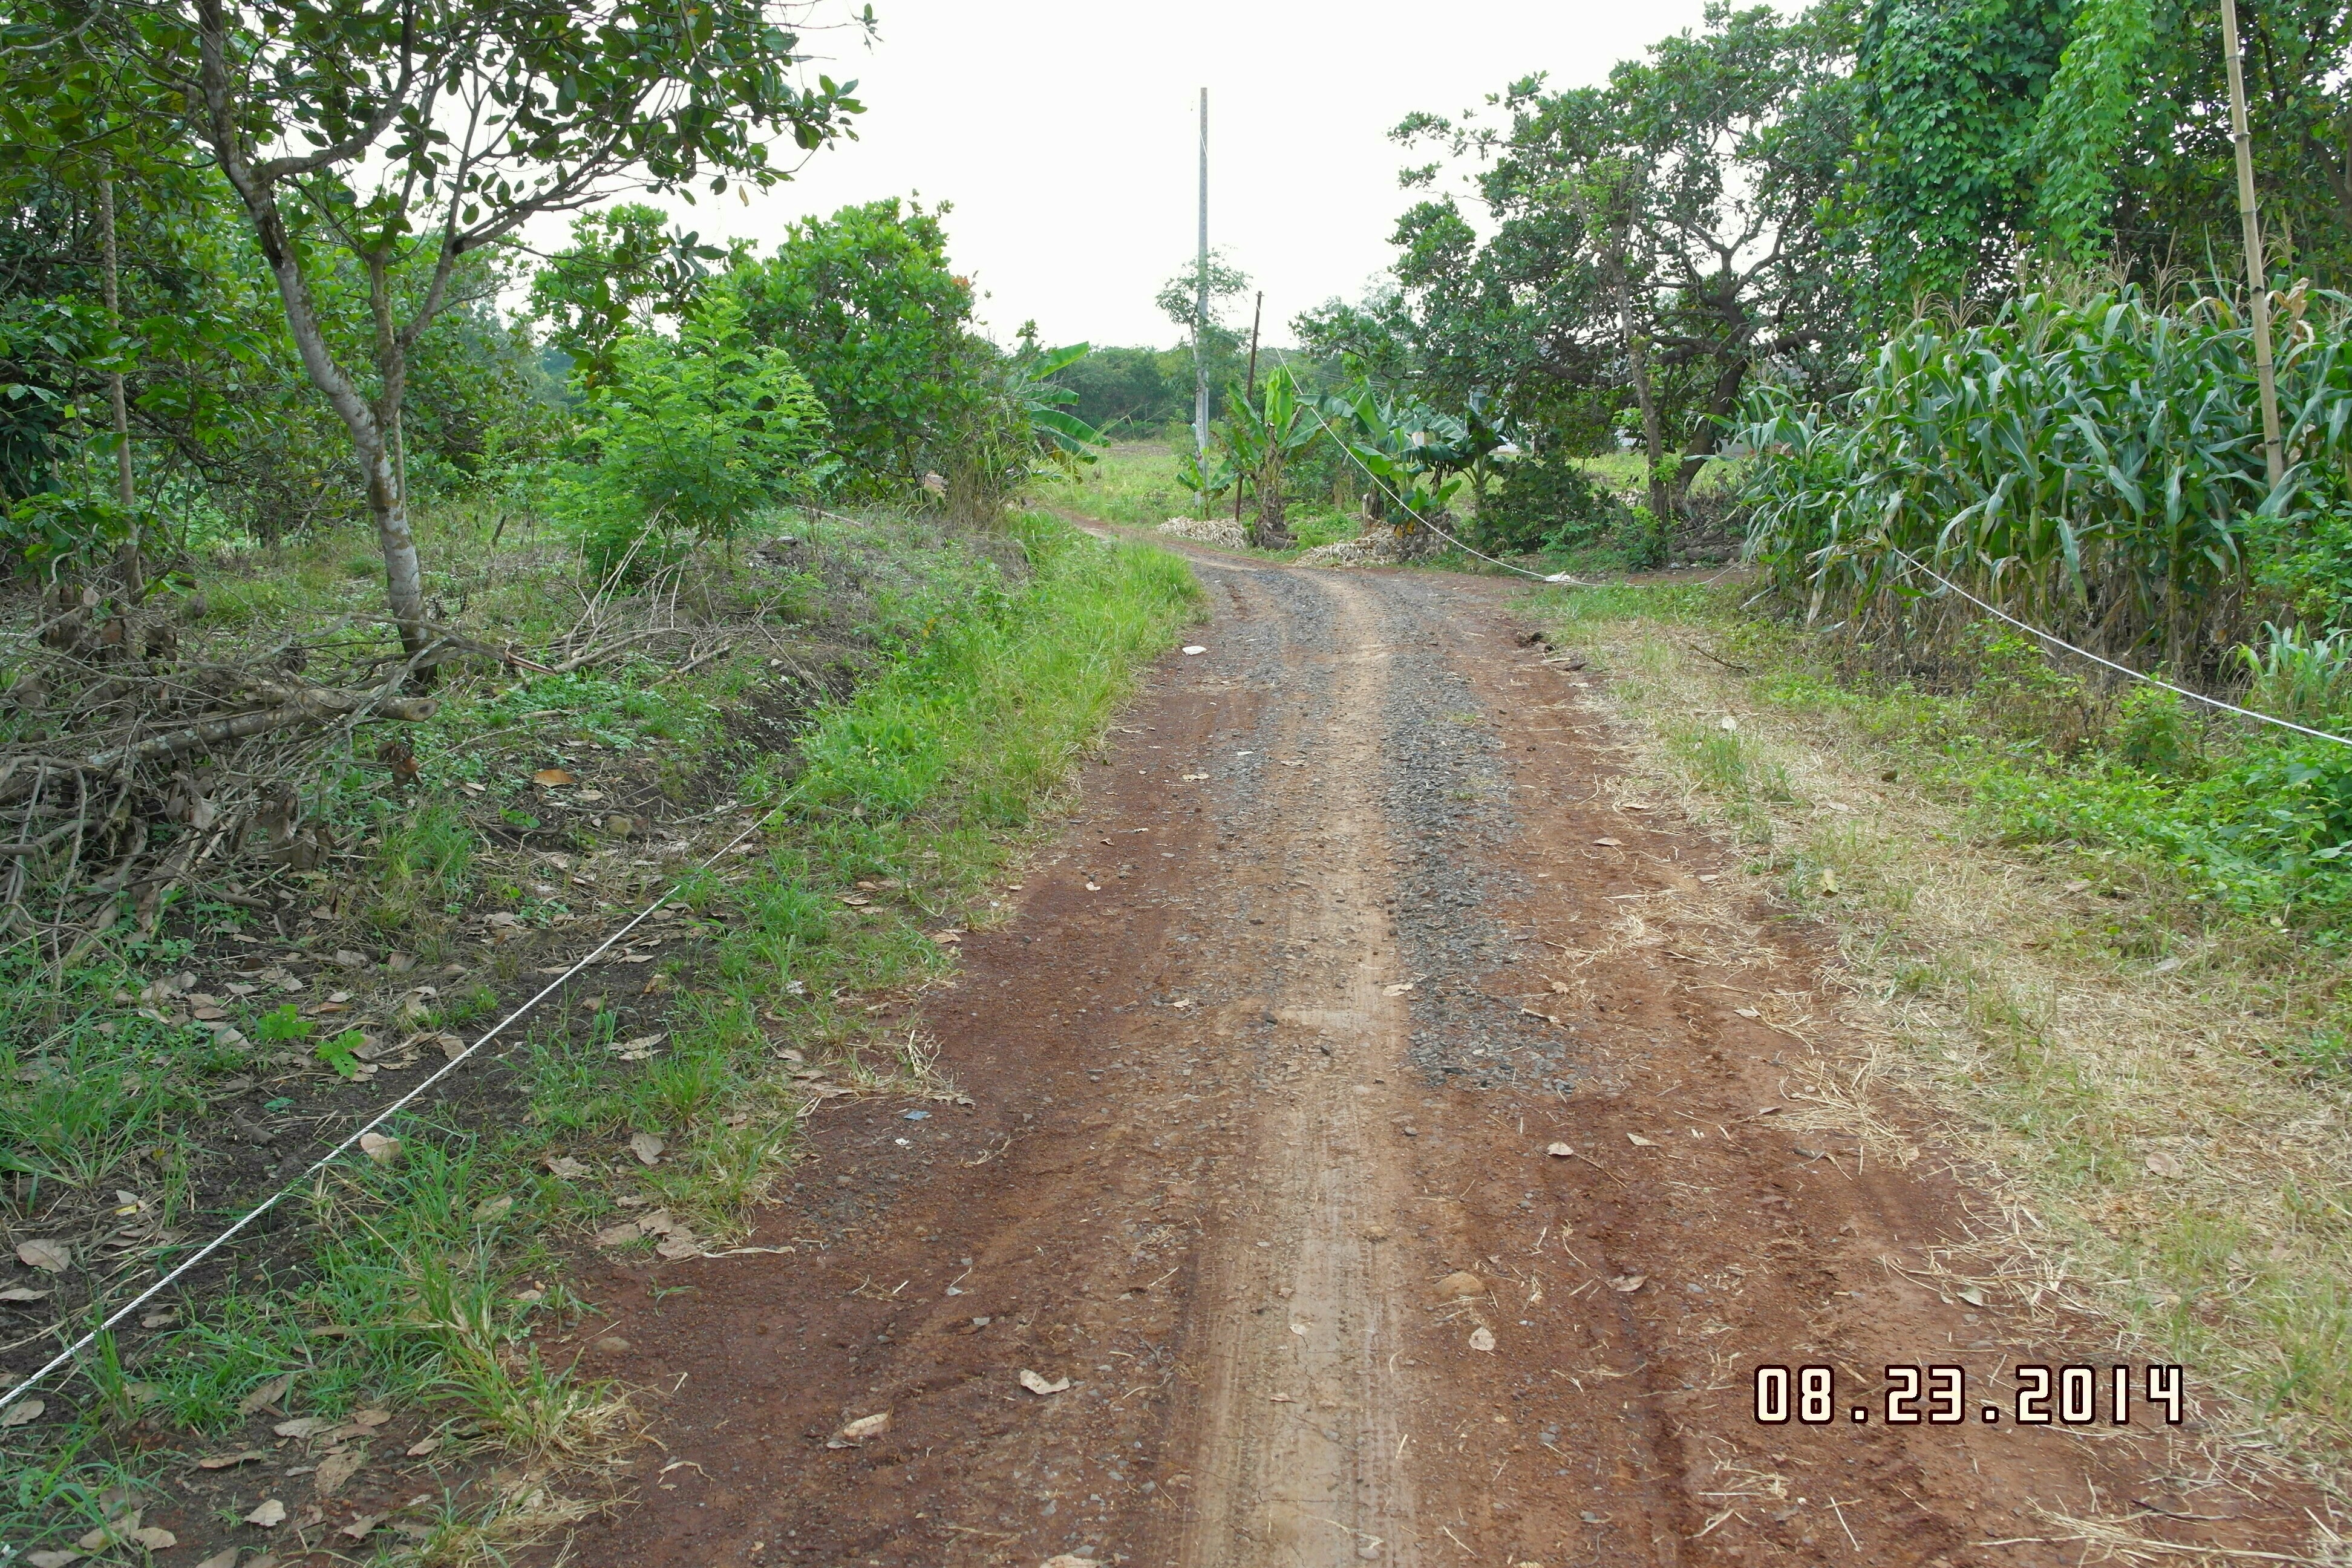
point(131, 772)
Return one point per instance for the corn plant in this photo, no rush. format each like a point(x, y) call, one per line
point(2093, 466)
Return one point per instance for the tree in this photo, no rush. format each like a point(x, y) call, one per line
point(1267, 435)
point(1658, 234)
point(691, 435)
point(625, 266)
point(425, 131)
point(869, 307)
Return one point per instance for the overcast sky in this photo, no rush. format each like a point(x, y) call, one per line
point(1063, 134)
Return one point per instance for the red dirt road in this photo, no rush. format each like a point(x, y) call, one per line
point(1356, 922)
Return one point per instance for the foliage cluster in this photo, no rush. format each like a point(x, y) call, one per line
point(2094, 464)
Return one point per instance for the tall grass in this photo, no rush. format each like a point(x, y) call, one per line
point(2094, 465)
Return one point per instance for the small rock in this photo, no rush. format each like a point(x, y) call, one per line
point(856, 1431)
point(1482, 1338)
point(1459, 1285)
point(612, 1344)
point(1561, 1152)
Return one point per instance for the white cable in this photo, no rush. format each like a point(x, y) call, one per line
point(2111, 664)
point(1537, 576)
point(11, 1396)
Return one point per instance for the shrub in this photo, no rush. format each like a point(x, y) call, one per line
point(690, 436)
point(1549, 503)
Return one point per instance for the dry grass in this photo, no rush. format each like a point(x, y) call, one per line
point(2138, 1154)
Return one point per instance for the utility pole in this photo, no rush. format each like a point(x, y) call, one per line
point(2249, 223)
point(1201, 320)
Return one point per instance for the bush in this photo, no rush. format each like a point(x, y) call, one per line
point(1550, 503)
point(690, 436)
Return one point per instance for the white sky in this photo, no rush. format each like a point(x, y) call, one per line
point(1063, 134)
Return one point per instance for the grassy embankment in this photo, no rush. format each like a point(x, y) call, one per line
point(2092, 947)
point(984, 666)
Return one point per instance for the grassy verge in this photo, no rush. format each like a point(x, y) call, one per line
point(2047, 964)
point(655, 1103)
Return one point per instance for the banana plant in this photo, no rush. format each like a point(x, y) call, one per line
point(1065, 439)
point(1412, 452)
point(1264, 437)
point(1210, 481)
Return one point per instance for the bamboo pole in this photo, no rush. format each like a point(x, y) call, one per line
point(2250, 226)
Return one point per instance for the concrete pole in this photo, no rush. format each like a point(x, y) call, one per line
point(1200, 320)
point(2250, 223)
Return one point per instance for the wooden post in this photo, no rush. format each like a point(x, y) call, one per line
point(2250, 225)
point(1249, 388)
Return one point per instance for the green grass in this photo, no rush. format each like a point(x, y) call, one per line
point(986, 695)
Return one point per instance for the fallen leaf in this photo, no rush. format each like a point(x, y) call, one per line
point(383, 1151)
point(1071, 1559)
point(1727, 722)
point(552, 778)
point(1626, 1284)
point(1189, 649)
point(1036, 1384)
point(48, 1257)
point(1561, 1152)
point(22, 1413)
point(230, 1461)
point(1641, 1143)
point(2168, 967)
point(491, 1209)
point(337, 1468)
point(1280, 1399)
point(564, 1167)
point(619, 1235)
point(680, 1244)
point(1460, 1284)
point(223, 1559)
point(154, 1538)
point(2163, 1164)
point(303, 1426)
point(859, 1430)
point(423, 1446)
point(1561, 988)
point(1748, 1012)
point(27, 1293)
point(1611, 842)
point(1094, 887)
point(1972, 1295)
point(267, 1394)
point(1546, 1017)
point(646, 1148)
point(61, 1559)
point(1829, 883)
point(269, 1515)
point(1399, 988)
point(368, 1420)
point(358, 1529)
point(948, 938)
point(1482, 1338)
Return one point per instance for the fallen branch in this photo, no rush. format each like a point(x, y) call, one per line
point(315, 710)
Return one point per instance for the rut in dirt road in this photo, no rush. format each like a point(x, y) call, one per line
point(1356, 925)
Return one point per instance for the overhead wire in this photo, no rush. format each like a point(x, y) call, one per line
point(2049, 637)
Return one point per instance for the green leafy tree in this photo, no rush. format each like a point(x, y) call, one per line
point(691, 435)
point(417, 132)
point(1657, 235)
point(625, 268)
point(869, 307)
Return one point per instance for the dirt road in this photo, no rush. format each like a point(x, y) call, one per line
point(1377, 1119)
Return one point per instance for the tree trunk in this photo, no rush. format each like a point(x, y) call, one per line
point(126, 494)
point(1270, 531)
point(1637, 356)
point(1721, 399)
point(388, 509)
